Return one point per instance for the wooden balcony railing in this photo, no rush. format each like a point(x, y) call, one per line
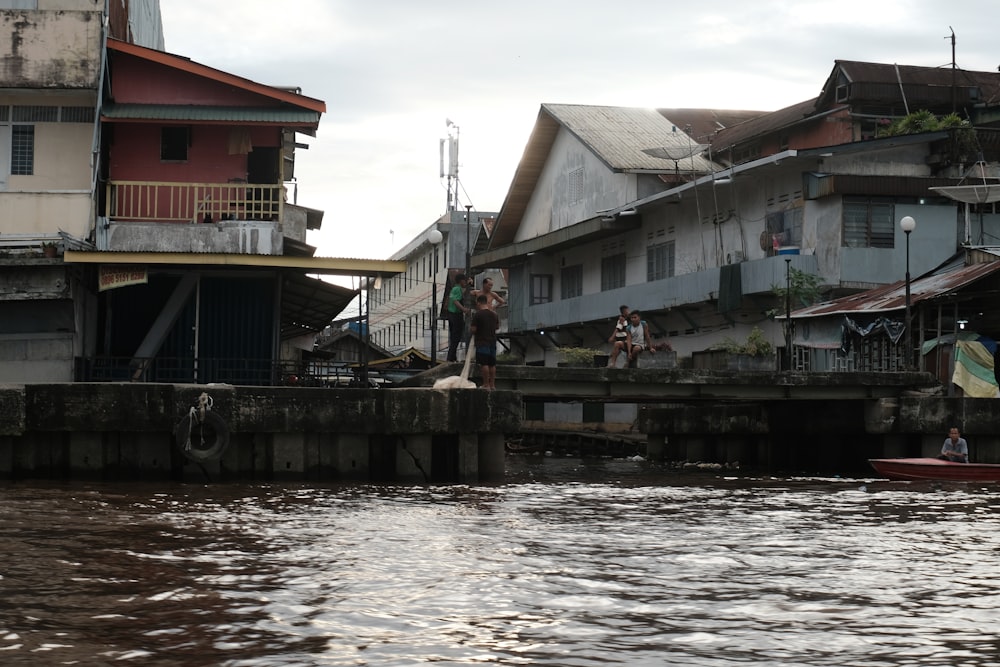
point(148, 201)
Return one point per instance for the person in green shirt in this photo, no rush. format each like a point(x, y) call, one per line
point(456, 316)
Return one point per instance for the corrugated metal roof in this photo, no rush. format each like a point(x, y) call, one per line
point(893, 297)
point(702, 124)
point(190, 112)
point(628, 138)
point(938, 77)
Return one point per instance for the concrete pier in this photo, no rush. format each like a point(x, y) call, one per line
point(821, 436)
point(123, 431)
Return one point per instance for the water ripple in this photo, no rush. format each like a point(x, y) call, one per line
point(566, 564)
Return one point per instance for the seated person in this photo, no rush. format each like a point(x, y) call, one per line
point(955, 448)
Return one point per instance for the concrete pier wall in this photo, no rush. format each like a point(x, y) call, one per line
point(821, 436)
point(122, 431)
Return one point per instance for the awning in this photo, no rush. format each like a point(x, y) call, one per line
point(334, 266)
point(196, 113)
point(308, 305)
point(893, 297)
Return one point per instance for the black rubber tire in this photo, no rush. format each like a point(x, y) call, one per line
point(209, 438)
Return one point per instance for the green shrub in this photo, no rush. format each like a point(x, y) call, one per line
point(755, 345)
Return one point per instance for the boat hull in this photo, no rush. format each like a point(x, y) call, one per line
point(928, 469)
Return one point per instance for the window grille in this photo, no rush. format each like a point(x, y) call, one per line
point(22, 150)
point(76, 115)
point(35, 114)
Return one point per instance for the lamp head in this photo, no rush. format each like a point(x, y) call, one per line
point(434, 237)
point(907, 224)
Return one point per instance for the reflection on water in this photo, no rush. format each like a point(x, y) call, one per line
point(616, 562)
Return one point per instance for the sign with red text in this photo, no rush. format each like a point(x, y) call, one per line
point(111, 276)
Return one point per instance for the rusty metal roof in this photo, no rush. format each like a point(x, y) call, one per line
point(893, 297)
point(915, 75)
point(763, 125)
point(702, 124)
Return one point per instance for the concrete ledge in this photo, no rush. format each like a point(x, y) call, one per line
point(126, 431)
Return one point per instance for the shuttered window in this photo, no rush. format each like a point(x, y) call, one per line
point(868, 223)
point(571, 281)
point(660, 261)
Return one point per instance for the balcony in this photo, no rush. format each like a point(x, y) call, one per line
point(240, 218)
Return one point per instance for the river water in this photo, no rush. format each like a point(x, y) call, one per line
point(565, 563)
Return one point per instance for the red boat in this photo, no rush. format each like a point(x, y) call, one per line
point(936, 470)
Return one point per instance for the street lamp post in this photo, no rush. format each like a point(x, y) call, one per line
point(434, 237)
point(908, 224)
point(468, 241)
point(788, 313)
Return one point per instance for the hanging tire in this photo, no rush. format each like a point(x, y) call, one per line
point(202, 441)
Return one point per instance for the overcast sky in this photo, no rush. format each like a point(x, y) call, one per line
point(392, 71)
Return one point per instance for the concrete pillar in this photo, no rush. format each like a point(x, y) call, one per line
point(697, 449)
point(414, 458)
point(6, 455)
point(152, 453)
point(351, 458)
point(86, 454)
point(492, 456)
point(288, 458)
point(735, 448)
point(468, 457)
point(655, 446)
point(983, 448)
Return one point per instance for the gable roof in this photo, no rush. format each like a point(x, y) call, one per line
point(282, 95)
point(922, 85)
point(902, 86)
point(625, 139)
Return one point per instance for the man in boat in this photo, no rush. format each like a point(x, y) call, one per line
point(955, 448)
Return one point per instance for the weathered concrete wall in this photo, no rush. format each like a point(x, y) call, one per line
point(822, 436)
point(50, 49)
point(122, 430)
point(239, 236)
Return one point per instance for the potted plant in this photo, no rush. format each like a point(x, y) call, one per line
point(754, 354)
point(49, 249)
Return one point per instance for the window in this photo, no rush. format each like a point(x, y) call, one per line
point(571, 281)
point(868, 223)
point(660, 261)
point(174, 143)
point(613, 272)
point(22, 150)
point(541, 288)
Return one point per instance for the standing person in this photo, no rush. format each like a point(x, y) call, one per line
point(638, 337)
point(492, 298)
point(619, 337)
point(484, 331)
point(955, 448)
point(456, 316)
